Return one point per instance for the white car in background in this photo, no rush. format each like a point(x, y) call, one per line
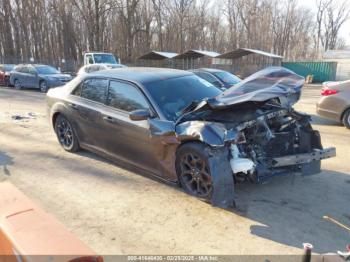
point(97, 67)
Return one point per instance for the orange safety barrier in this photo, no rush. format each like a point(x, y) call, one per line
point(27, 233)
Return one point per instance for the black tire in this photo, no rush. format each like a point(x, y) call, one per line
point(43, 86)
point(7, 81)
point(17, 84)
point(66, 135)
point(192, 168)
point(346, 118)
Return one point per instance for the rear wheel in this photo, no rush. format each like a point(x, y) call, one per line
point(43, 86)
point(66, 135)
point(346, 118)
point(192, 167)
point(18, 84)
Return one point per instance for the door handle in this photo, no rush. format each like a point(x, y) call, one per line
point(74, 106)
point(109, 119)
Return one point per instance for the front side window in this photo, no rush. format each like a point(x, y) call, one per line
point(31, 70)
point(89, 59)
point(125, 97)
point(24, 69)
point(94, 90)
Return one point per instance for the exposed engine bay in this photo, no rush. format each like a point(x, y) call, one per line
point(271, 140)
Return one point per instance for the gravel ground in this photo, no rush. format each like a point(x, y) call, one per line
point(119, 211)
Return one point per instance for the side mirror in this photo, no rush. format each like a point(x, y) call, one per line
point(139, 115)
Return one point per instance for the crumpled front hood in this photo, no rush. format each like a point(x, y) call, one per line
point(264, 85)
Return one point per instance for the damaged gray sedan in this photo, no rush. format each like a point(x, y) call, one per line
point(180, 128)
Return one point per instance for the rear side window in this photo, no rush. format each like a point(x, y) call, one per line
point(95, 90)
point(125, 97)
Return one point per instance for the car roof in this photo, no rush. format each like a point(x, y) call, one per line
point(33, 65)
point(99, 53)
point(210, 70)
point(141, 75)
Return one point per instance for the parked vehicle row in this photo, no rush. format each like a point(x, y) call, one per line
point(41, 77)
point(182, 129)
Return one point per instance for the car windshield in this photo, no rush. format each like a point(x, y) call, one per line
point(175, 94)
point(8, 67)
point(227, 77)
point(46, 70)
point(105, 59)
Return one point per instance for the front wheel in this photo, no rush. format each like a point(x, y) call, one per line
point(346, 118)
point(7, 81)
point(192, 167)
point(66, 135)
point(43, 87)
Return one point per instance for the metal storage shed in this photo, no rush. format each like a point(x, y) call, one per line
point(157, 59)
point(342, 57)
point(195, 58)
point(238, 53)
point(245, 61)
point(156, 55)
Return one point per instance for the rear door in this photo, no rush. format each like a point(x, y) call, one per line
point(22, 76)
point(85, 111)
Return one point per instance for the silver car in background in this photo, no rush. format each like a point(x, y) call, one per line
point(97, 67)
point(335, 102)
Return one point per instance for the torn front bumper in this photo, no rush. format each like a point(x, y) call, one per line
point(306, 163)
point(305, 158)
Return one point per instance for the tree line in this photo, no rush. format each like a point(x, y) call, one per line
point(52, 30)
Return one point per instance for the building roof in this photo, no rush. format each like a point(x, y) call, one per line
point(156, 55)
point(246, 51)
point(141, 75)
point(194, 54)
point(337, 54)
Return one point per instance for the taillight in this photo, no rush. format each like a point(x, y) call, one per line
point(329, 92)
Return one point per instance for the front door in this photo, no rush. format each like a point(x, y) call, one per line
point(32, 78)
point(124, 138)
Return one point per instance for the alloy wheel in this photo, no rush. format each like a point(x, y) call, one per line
point(65, 133)
point(43, 86)
point(195, 175)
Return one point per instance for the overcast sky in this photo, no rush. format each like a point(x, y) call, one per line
point(344, 30)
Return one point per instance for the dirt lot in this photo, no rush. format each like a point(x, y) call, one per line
point(116, 211)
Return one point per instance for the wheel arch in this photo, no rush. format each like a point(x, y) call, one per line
point(54, 117)
point(343, 113)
